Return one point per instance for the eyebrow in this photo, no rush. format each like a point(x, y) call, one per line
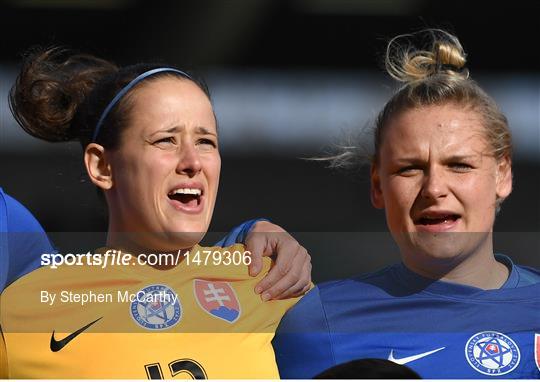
point(203, 130)
point(453, 158)
point(176, 129)
point(457, 158)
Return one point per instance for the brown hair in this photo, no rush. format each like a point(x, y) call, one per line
point(60, 95)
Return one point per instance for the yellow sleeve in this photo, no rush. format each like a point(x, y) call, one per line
point(3, 357)
point(3, 352)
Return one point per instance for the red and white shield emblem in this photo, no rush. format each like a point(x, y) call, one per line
point(217, 298)
point(537, 350)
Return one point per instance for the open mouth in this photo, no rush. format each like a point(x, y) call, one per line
point(187, 197)
point(435, 220)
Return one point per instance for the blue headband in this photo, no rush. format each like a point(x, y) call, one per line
point(127, 88)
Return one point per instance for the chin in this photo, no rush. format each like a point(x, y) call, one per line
point(445, 245)
point(188, 230)
point(439, 245)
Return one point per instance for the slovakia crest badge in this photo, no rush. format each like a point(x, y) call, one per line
point(492, 353)
point(218, 299)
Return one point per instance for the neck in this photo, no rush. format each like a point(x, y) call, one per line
point(478, 269)
point(130, 242)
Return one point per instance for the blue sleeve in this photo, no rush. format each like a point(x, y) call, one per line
point(24, 240)
point(302, 343)
point(527, 276)
point(238, 234)
point(4, 258)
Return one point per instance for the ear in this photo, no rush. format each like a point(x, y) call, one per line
point(97, 166)
point(504, 178)
point(376, 191)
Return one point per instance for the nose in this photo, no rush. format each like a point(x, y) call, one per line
point(434, 184)
point(189, 161)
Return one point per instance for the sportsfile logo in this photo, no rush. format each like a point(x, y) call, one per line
point(110, 257)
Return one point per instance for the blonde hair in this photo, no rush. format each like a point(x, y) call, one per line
point(433, 72)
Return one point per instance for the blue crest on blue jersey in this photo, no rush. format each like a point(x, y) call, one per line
point(492, 353)
point(157, 307)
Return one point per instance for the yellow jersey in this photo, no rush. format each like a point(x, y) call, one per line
point(197, 320)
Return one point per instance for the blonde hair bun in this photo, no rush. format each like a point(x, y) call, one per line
point(414, 57)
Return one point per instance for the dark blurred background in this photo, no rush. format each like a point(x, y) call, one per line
point(289, 79)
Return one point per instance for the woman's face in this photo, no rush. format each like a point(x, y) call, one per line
point(438, 182)
point(165, 173)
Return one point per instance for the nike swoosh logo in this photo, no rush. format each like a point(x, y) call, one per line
point(403, 361)
point(59, 345)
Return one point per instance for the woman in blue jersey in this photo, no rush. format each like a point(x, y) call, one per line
point(441, 170)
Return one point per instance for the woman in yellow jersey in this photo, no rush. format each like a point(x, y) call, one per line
point(150, 141)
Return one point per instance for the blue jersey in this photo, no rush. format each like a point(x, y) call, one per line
point(439, 329)
point(238, 234)
point(22, 241)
